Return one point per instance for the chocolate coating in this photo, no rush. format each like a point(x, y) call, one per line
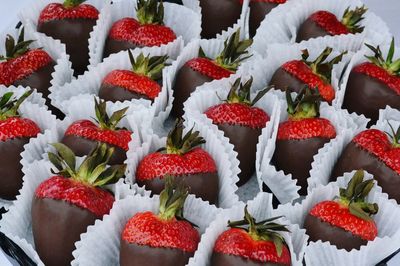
point(366, 95)
point(244, 140)
point(218, 16)
point(56, 226)
point(354, 158)
point(115, 93)
point(258, 11)
point(186, 81)
point(319, 230)
point(219, 259)
point(203, 185)
point(81, 147)
point(309, 29)
point(41, 81)
point(10, 167)
point(114, 46)
point(295, 157)
point(275, 201)
point(74, 33)
point(133, 254)
point(282, 80)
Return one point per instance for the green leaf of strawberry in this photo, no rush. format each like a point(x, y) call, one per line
point(352, 18)
point(14, 50)
point(392, 67)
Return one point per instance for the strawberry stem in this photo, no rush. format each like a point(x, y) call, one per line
point(150, 12)
point(14, 50)
point(352, 18)
point(305, 105)
point(9, 106)
point(102, 118)
point(240, 93)
point(392, 67)
point(72, 3)
point(172, 199)
point(395, 136)
point(151, 67)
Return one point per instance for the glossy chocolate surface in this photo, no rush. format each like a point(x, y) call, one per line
point(354, 158)
point(133, 255)
point(283, 80)
point(204, 185)
point(56, 226)
point(115, 93)
point(258, 11)
point(295, 157)
point(10, 167)
point(309, 29)
point(244, 140)
point(219, 259)
point(366, 95)
point(74, 33)
point(114, 46)
point(186, 81)
point(218, 16)
point(319, 230)
point(81, 147)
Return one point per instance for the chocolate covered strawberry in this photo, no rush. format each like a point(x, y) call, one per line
point(160, 238)
point(71, 22)
point(345, 221)
point(146, 31)
point(258, 10)
point(82, 136)
point(144, 81)
point(23, 66)
point(301, 136)
point(377, 153)
point(15, 132)
point(374, 85)
point(202, 69)
point(241, 123)
point(324, 23)
point(297, 74)
point(248, 242)
point(185, 160)
point(68, 202)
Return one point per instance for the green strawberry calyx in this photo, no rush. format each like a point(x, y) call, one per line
point(320, 66)
point(390, 65)
point(9, 106)
point(305, 105)
point(72, 3)
point(352, 18)
point(16, 49)
point(353, 197)
point(266, 230)
point(102, 117)
point(395, 135)
point(93, 171)
point(177, 143)
point(172, 199)
point(151, 67)
point(150, 12)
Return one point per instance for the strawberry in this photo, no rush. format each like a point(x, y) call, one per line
point(202, 69)
point(301, 136)
point(67, 203)
point(297, 74)
point(142, 82)
point(378, 154)
point(148, 236)
point(146, 31)
point(324, 23)
point(183, 159)
point(258, 10)
point(82, 135)
point(250, 241)
point(345, 221)
point(241, 123)
point(15, 132)
point(70, 22)
point(374, 84)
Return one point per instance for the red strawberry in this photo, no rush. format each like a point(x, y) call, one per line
point(373, 85)
point(143, 81)
point(148, 30)
point(373, 151)
point(333, 220)
point(148, 235)
point(202, 69)
point(82, 136)
point(70, 201)
point(183, 159)
point(71, 23)
point(15, 132)
point(258, 10)
point(297, 74)
point(323, 23)
point(301, 136)
point(242, 123)
point(251, 241)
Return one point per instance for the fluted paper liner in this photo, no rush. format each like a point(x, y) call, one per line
point(260, 208)
point(281, 25)
point(389, 115)
point(323, 253)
